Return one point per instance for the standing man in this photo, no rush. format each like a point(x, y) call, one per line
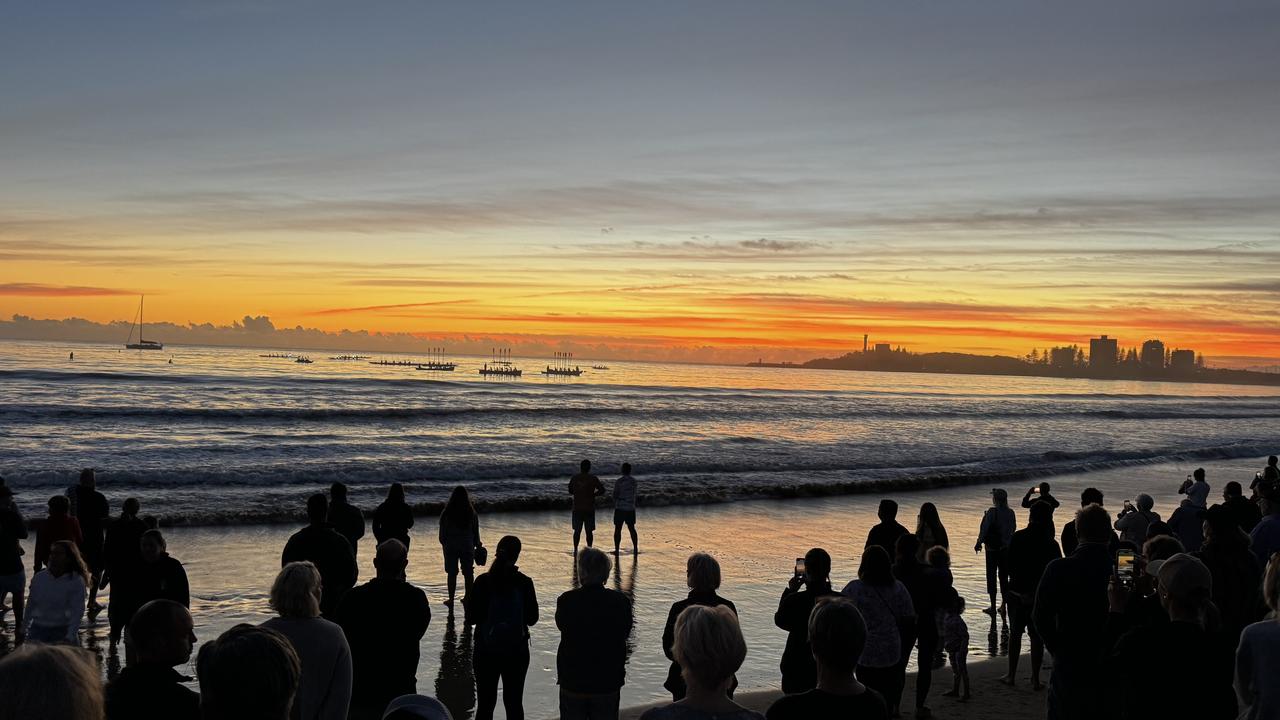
point(345, 517)
point(624, 509)
point(594, 623)
point(1070, 614)
point(90, 507)
point(584, 487)
point(329, 551)
point(998, 524)
point(162, 636)
point(886, 532)
point(384, 621)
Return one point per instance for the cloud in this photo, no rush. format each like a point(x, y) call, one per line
point(37, 290)
point(376, 308)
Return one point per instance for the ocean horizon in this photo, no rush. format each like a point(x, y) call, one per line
point(224, 436)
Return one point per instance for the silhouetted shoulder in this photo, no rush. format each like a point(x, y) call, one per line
point(680, 712)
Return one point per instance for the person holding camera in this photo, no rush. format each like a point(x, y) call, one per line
point(799, 672)
point(1132, 521)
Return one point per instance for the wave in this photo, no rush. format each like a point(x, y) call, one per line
point(271, 497)
point(71, 413)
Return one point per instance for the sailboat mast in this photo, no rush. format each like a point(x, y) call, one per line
point(141, 322)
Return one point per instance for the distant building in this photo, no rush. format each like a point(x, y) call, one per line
point(1103, 352)
point(1063, 357)
point(1152, 354)
point(882, 349)
point(1182, 359)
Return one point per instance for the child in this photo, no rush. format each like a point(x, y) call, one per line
point(956, 640)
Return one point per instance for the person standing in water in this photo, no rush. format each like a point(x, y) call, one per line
point(624, 509)
point(998, 524)
point(93, 512)
point(584, 487)
point(393, 518)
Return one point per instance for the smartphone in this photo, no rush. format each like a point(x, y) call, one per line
point(1125, 566)
point(799, 567)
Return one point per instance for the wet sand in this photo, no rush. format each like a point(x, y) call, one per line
point(231, 569)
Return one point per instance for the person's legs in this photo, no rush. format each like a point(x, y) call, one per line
point(631, 527)
point(573, 706)
point(617, 533)
point(486, 671)
point(514, 671)
point(1018, 617)
point(1037, 655)
point(964, 674)
point(589, 523)
point(1002, 574)
point(924, 670)
point(992, 562)
point(577, 531)
point(603, 707)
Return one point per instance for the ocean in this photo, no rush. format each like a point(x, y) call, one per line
point(225, 436)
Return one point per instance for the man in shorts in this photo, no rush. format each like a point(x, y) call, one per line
point(584, 487)
point(624, 509)
point(13, 577)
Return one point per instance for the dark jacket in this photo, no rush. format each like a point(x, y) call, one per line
point(391, 521)
point(90, 508)
point(146, 691)
point(594, 623)
point(1246, 512)
point(1147, 663)
point(1071, 606)
point(1237, 583)
point(122, 552)
point(1188, 526)
point(886, 534)
point(384, 621)
point(164, 579)
point(332, 555)
point(490, 585)
point(927, 589)
point(675, 682)
point(12, 529)
point(348, 521)
point(799, 673)
point(1030, 551)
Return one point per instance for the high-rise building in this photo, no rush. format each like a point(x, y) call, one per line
point(1182, 359)
point(1103, 352)
point(1152, 354)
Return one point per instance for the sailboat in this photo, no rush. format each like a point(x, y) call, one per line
point(141, 344)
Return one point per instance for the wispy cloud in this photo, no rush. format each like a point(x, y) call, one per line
point(55, 291)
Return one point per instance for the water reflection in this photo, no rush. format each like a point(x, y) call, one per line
point(455, 683)
point(627, 587)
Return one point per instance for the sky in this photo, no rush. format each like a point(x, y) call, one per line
point(712, 180)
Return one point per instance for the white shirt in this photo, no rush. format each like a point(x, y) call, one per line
point(624, 493)
point(57, 602)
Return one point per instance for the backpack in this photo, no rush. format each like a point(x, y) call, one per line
point(504, 627)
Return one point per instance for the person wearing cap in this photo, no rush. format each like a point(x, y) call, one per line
point(1132, 521)
point(1236, 574)
point(1258, 656)
point(1247, 514)
point(1030, 552)
point(416, 707)
point(1071, 616)
point(1146, 660)
point(998, 524)
point(13, 576)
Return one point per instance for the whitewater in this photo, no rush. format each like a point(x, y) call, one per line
point(224, 436)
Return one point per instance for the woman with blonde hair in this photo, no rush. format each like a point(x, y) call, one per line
point(1257, 662)
point(51, 683)
point(702, 574)
point(324, 692)
point(57, 599)
point(709, 648)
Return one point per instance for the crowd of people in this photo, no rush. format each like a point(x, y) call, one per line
point(1121, 604)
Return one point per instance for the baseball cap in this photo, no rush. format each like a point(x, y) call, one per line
point(1182, 576)
point(416, 706)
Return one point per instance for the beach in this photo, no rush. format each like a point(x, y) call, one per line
point(231, 569)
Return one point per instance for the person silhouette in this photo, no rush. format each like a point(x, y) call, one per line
point(345, 517)
point(162, 636)
point(702, 574)
point(122, 561)
point(624, 509)
point(459, 539)
point(320, 544)
point(384, 621)
point(888, 530)
point(393, 518)
point(595, 623)
point(799, 673)
point(247, 672)
point(994, 535)
point(584, 487)
point(90, 508)
point(502, 606)
point(324, 690)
